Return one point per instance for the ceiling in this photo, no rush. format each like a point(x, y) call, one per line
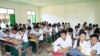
point(50, 2)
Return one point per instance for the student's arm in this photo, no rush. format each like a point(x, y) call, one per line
point(57, 42)
point(75, 44)
point(69, 45)
point(98, 49)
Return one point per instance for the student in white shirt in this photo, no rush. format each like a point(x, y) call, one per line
point(22, 37)
point(64, 42)
point(6, 34)
point(47, 33)
point(29, 31)
point(76, 31)
point(38, 33)
point(97, 32)
point(81, 43)
point(70, 33)
point(14, 31)
point(1, 33)
point(93, 46)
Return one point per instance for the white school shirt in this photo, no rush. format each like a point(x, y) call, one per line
point(95, 47)
point(76, 32)
point(1, 33)
point(70, 36)
point(11, 35)
point(31, 32)
point(63, 43)
point(45, 30)
point(83, 45)
point(40, 32)
point(23, 36)
point(50, 31)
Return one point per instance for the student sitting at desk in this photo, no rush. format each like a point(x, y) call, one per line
point(81, 43)
point(63, 42)
point(22, 39)
point(93, 46)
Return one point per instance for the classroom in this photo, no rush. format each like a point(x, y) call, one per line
point(49, 27)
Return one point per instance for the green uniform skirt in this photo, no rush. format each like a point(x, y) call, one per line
point(14, 51)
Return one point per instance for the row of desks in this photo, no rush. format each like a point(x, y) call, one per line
point(4, 42)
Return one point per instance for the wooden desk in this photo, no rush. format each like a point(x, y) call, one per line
point(4, 43)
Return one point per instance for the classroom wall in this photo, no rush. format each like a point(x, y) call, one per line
point(97, 14)
point(20, 10)
point(73, 13)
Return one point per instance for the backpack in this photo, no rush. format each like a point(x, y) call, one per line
point(74, 52)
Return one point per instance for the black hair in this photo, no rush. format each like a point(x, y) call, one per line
point(49, 25)
point(7, 25)
point(90, 24)
point(36, 26)
point(15, 29)
point(97, 30)
point(97, 25)
point(0, 28)
point(94, 35)
point(70, 30)
point(85, 22)
point(29, 28)
point(20, 29)
point(78, 41)
point(63, 31)
point(81, 30)
point(7, 30)
point(62, 23)
point(94, 25)
point(76, 26)
point(82, 33)
point(24, 25)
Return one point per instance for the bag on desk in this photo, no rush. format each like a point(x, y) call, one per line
point(58, 54)
point(74, 52)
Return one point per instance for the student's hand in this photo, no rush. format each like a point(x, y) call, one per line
point(64, 50)
point(93, 52)
point(61, 50)
point(80, 48)
point(68, 48)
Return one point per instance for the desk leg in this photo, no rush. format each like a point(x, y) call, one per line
point(19, 51)
point(2, 50)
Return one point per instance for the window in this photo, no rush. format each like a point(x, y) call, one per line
point(7, 15)
point(31, 17)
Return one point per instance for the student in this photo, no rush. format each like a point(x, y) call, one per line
point(81, 43)
point(22, 39)
point(64, 42)
point(47, 33)
point(93, 46)
point(37, 36)
point(6, 34)
point(39, 33)
point(97, 32)
point(70, 33)
point(13, 32)
point(1, 32)
point(76, 31)
point(28, 30)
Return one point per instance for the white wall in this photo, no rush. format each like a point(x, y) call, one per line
point(73, 13)
point(97, 14)
point(20, 10)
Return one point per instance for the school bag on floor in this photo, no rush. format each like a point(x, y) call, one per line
point(74, 52)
